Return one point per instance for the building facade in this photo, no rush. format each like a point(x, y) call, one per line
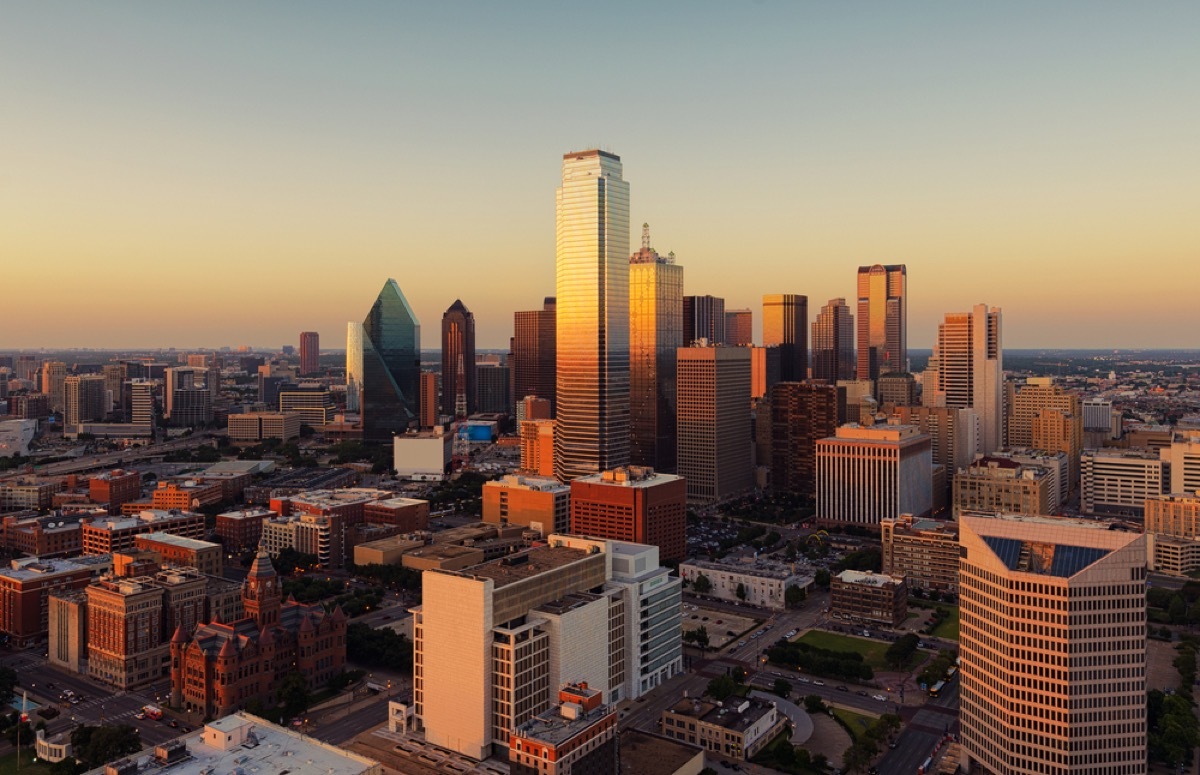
point(539, 503)
point(762, 583)
point(1118, 482)
point(833, 343)
point(868, 598)
point(866, 474)
point(801, 413)
point(999, 485)
point(632, 504)
point(535, 352)
point(391, 365)
point(713, 422)
point(924, 552)
point(459, 399)
point(785, 325)
point(882, 320)
point(310, 353)
point(968, 370)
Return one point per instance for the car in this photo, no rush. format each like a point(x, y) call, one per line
point(802, 679)
point(818, 683)
point(861, 693)
point(891, 743)
point(741, 643)
point(879, 697)
point(139, 715)
point(842, 688)
point(174, 724)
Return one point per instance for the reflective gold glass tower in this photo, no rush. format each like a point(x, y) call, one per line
point(785, 325)
point(882, 320)
point(592, 280)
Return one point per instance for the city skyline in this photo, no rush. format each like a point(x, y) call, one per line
point(336, 145)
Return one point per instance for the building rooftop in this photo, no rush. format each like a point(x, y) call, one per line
point(524, 565)
point(241, 743)
point(396, 503)
point(326, 499)
point(560, 723)
point(628, 476)
point(735, 714)
point(567, 603)
point(32, 568)
point(764, 569)
point(877, 433)
point(867, 578)
point(180, 541)
point(645, 754)
point(526, 482)
point(147, 515)
point(248, 514)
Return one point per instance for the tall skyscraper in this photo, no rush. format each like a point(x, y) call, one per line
point(458, 361)
point(391, 363)
point(534, 352)
point(970, 370)
point(429, 400)
point(703, 318)
point(54, 373)
point(882, 320)
point(655, 333)
point(354, 365)
point(801, 413)
point(592, 279)
point(785, 325)
point(739, 328)
point(85, 399)
point(310, 352)
point(1049, 684)
point(833, 342)
point(713, 421)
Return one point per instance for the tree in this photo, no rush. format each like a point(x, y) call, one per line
point(900, 653)
point(288, 560)
point(698, 637)
point(741, 591)
point(814, 704)
point(738, 674)
point(1177, 610)
point(702, 585)
point(782, 687)
point(8, 680)
point(378, 648)
point(720, 688)
point(293, 693)
point(821, 578)
point(794, 596)
point(95, 746)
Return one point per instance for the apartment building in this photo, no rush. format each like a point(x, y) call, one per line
point(106, 536)
point(1002, 486)
point(868, 598)
point(1118, 482)
point(924, 552)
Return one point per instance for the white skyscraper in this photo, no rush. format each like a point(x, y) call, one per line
point(592, 280)
point(969, 357)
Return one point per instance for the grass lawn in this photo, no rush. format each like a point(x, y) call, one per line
point(871, 650)
point(857, 723)
point(948, 629)
point(8, 764)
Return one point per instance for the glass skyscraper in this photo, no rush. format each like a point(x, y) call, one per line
point(391, 366)
point(458, 361)
point(882, 320)
point(785, 325)
point(833, 342)
point(655, 333)
point(354, 365)
point(592, 280)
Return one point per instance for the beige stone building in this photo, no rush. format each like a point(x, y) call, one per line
point(1173, 521)
point(998, 485)
point(763, 583)
point(1052, 647)
point(1118, 482)
point(739, 729)
point(924, 552)
point(868, 598)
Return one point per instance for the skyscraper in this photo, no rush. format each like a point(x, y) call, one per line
point(785, 325)
point(458, 361)
point(354, 365)
point(592, 279)
point(85, 399)
point(713, 421)
point(800, 414)
point(703, 318)
point(739, 328)
point(1053, 647)
point(970, 370)
point(534, 352)
point(54, 373)
point(833, 342)
point(391, 360)
point(310, 352)
point(429, 400)
point(655, 333)
point(882, 320)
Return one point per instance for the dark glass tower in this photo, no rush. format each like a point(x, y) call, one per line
point(458, 361)
point(391, 362)
point(534, 352)
point(833, 343)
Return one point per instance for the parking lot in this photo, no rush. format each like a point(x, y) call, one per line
point(723, 627)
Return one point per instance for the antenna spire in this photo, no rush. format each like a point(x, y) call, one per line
point(645, 236)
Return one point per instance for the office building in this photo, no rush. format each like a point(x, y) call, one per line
point(115, 488)
point(800, 414)
point(106, 536)
point(1048, 683)
point(739, 328)
point(66, 646)
point(1173, 523)
point(423, 457)
point(312, 403)
point(1036, 394)
point(969, 373)
point(1057, 431)
point(310, 353)
point(866, 474)
point(126, 647)
point(703, 319)
point(86, 399)
point(458, 362)
point(220, 666)
point(833, 343)
point(253, 427)
point(1118, 482)
point(490, 644)
point(898, 388)
point(241, 530)
point(54, 376)
point(142, 403)
point(923, 552)
point(1055, 466)
point(29, 406)
point(494, 382)
point(713, 422)
point(430, 405)
point(882, 320)
point(632, 504)
point(655, 333)
point(765, 368)
point(577, 736)
point(537, 447)
point(868, 598)
point(997, 485)
point(535, 353)
point(539, 503)
point(354, 365)
point(592, 277)
point(25, 589)
point(856, 401)
point(785, 325)
point(181, 495)
point(391, 365)
point(173, 550)
point(737, 729)
point(763, 583)
point(1184, 455)
point(1100, 418)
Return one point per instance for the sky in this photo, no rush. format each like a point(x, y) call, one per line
point(227, 173)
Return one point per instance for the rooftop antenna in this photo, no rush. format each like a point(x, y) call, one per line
point(645, 236)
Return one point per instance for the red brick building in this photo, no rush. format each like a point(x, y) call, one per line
point(56, 535)
point(24, 595)
point(222, 666)
point(241, 530)
point(409, 514)
point(115, 488)
point(632, 504)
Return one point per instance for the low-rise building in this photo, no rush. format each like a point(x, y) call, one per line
point(1118, 482)
point(241, 530)
point(106, 536)
point(737, 729)
point(1000, 485)
point(171, 549)
point(253, 427)
point(868, 598)
point(538, 503)
point(578, 735)
point(25, 589)
point(409, 514)
point(423, 457)
point(27, 497)
point(186, 494)
point(114, 488)
point(387, 551)
point(755, 582)
point(643, 753)
point(1173, 522)
point(55, 535)
point(924, 552)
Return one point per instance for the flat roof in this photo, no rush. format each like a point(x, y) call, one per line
point(765, 570)
point(867, 578)
point(553, 728)
point(645, 754)
point(180, 541)
point(35, 568)
point(727, 716)
point(524, 565)
point(628, 476)
point(396, 503)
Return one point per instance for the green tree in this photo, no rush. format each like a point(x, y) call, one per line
point(293, 693)
point(721, 688)
point(738, 674)
point(741, 591)
point(700, 637)
point(1177, 610)
point(8, 681)
point(900, 653)
point(814, 704)
point(782, 687)
point(95, 746)
point(702, 585)
point(378, 648)
point(821, 578)
point(794, 595)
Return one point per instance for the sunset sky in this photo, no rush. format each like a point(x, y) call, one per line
point(209, 174)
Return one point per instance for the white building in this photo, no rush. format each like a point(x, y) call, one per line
point(15, 436)
point(1185, 461)
point(866, 474)
point(424, 457)
point(764, 583)
point(1118, 482)
point(968, 369)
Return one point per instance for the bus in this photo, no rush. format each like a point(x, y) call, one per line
point(951, 673)
point(936, 689)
